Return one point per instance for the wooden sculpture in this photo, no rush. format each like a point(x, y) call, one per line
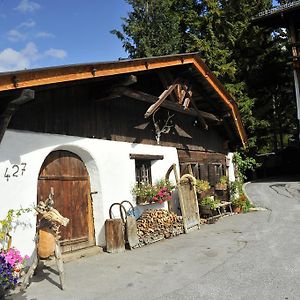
point(47, 238)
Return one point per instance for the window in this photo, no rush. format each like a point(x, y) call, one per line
point(143, 171)
point(143, 166)
point(215, 171)
point(199, 170)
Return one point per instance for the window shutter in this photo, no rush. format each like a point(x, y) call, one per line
point(212, 174)
point(203, 172)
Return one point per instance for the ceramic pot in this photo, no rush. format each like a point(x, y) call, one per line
point(237, 209)
point(143, 200)
point(205, 210)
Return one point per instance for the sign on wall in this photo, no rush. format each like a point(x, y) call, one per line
point(14, 171)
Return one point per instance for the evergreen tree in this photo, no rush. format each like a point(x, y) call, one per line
point(250, 61)
point(151, 29)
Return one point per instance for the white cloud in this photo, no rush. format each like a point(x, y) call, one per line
point(31, 52)
point(11, 60)
point(57, 53)
point(27, 6)
point(14, 35)
point(44, 34)
point(27, 24)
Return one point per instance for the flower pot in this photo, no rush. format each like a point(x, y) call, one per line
point(237, 209)
point(221, 187)
point(143, 200)
point(205, 210)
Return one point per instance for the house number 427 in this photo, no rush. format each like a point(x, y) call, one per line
point(15, 171)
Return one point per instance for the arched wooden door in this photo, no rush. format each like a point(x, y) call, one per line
point(67, 174)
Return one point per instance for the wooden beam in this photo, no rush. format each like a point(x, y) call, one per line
point(160, 99)
point(110, 96)
point(138, 95)
point(12, 107)
point(166, 78)
point(146, 156)
point(188, 98)
point(112, 93)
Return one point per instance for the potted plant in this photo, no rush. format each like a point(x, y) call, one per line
point(11, 267)
point(202, 187)
point(208, 204)
point(222, 184)
point(146, 193)
point(11, 261)
point(241, 204)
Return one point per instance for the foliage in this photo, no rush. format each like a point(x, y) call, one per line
point(224, 179)
point(251, 61)
point(6, 224)
point(243, 164)
point(143, 190)
point(11, 266)
point(236, 189)
point(202, 185)
point(243, 202)
point(151, 29)
point(222, 184)
point(211, 201)
point(160, 192)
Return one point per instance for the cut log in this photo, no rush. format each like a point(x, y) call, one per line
point(158, 224)
point(114, 235)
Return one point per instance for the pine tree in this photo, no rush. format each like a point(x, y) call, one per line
point(151, 29)
point(250, 61)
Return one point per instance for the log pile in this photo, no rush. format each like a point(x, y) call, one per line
point(157, 224)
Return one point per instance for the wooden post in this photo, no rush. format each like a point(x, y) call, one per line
point(31, 270)
point(12, 107)
point(60, 265)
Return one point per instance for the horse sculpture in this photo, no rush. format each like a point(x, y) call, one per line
point(47, 238)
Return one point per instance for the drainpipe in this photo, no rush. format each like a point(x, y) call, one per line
point(297, 90)
point(296, 70)
point(26, 96)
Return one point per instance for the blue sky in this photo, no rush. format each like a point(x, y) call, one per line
point(40, 33)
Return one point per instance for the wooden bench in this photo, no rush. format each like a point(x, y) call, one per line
point(221, 208)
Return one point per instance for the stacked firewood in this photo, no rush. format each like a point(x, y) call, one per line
point(157, 224)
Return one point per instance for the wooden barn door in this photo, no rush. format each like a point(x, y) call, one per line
point(67, 174)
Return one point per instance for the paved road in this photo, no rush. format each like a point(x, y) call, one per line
point(249, 256)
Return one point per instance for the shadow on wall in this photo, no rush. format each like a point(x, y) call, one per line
point(17, 143)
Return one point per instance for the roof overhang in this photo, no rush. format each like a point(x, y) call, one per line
point(279, 16)
point(54, 75)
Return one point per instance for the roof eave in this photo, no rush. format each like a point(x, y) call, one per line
point(44, 76)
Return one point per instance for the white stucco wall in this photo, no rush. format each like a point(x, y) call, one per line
point(112, 174)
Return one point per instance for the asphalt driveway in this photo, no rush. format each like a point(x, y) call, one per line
point(248, 256)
